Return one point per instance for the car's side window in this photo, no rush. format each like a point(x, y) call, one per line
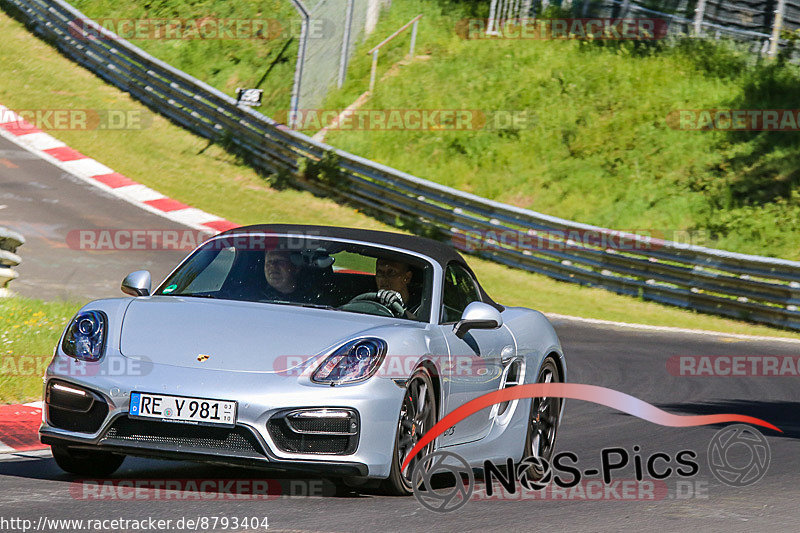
point(460, 289)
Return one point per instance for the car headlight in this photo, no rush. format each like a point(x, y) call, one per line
point(86, 336)
point(357, 360)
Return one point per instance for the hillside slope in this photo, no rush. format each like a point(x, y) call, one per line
point(599, 147)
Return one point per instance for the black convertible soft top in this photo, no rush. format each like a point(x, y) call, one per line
point(438, 251)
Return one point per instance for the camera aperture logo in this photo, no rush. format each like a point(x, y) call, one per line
point(739, 455)
point(443, 499)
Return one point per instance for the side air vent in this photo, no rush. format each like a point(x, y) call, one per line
point(513, 375)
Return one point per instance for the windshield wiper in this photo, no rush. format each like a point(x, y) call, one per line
point(301, 304)
point(319, 306)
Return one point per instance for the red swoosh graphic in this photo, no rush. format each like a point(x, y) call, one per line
point(590, 393)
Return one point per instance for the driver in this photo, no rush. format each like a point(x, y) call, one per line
point(282, 276)
point(392, 279)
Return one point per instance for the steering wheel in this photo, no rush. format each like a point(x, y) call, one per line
point(368, 303)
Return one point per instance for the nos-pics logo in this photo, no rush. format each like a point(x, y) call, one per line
point(738, 456)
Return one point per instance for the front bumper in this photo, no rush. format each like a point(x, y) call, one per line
point(260, 397)
point(330, 468)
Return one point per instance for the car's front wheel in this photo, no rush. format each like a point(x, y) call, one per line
point(85, 462)
point(543, 421)
point(417, 416)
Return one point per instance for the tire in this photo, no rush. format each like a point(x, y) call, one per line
point(86, 463)
point(414, 421)
point(347, 486)
point(543, 421)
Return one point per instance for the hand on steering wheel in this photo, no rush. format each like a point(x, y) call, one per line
point(387, 298)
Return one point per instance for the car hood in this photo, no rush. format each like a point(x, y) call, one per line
point(236, 336)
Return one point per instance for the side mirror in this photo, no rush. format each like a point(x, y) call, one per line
point(137, 283)
point(477, 315)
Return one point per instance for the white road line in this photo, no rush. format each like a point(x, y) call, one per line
point(669, 329)
point(35, 455)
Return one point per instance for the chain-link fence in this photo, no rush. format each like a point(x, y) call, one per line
point(762, 22)
point(327, 40)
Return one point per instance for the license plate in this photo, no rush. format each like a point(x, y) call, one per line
point(182, 409)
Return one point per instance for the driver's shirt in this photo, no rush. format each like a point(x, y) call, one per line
point(298, 295)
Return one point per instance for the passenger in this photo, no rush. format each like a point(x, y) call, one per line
point(393, 279)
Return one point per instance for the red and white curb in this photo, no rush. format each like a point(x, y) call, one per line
point(19, 428)
point(19, 424)
point(15, 129)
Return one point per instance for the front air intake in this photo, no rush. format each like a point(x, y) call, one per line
point(74, 408)
point(237, 441)
point(317, 431)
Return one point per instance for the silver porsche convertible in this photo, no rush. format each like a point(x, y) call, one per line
point(329, 350)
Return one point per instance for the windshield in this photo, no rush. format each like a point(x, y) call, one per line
point(306, 272)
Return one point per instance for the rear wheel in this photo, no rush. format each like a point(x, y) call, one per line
point(417, 416)
point(86, 463)
point(543, 422)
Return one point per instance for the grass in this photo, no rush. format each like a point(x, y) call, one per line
point(226, 64)
point(598, 147)
point(29, 330)
point(182, 166)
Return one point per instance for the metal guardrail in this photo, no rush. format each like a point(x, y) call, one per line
point(754, 288)
point(9, 242)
